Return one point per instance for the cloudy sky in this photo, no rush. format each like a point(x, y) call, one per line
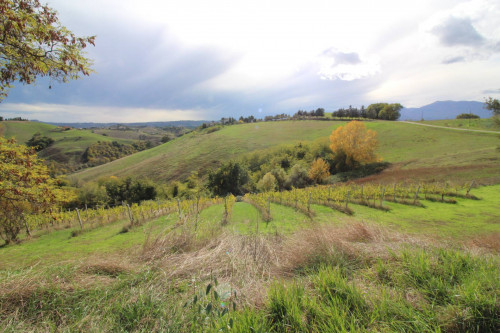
point(162, 60)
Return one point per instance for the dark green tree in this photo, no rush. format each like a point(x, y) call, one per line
point(39, 142)
point(390, 112)
point(493, 105)
point(298, 177)
point(374, 109)
point(229, 178)
point(129, 190)
point(467, 116)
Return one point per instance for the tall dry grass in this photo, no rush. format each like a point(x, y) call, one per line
point(249, 263)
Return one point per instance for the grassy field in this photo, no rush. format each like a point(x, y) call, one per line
point(432, 268)
point(69, 145)
point(409, 147)
point(477, 124)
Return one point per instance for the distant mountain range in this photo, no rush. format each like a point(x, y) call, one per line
point(445, 110)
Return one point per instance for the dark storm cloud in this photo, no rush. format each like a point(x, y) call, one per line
point(458, 32)
point(155, 71)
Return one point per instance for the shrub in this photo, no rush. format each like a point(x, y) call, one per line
point(467, 116)
point(129, 190)
point(319, 171)
point(228, 179)
point(267, 183)
point(298, 177)
point(39, 142)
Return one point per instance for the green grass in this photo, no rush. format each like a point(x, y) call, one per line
point(422, 146)
point(200, 152)
point(54, 283)
point(464, 219)
point(68, 146)
point(55, 246)
point(411, 145)
point(487, 124)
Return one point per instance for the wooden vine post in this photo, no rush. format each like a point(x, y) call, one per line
point(470, 187)
point(179, 208)
point(309, 203)
point(347, 199)
point(416, 195)
point(382, 197)
point(79, 218)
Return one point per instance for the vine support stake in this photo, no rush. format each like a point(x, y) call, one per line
point(130, 214)
point(79, 218)
point(179, 208)
point(382, 197)
point(470, 187)
point(347, 199)
point(416, 195)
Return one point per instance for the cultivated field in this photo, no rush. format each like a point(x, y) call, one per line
point(303, 262)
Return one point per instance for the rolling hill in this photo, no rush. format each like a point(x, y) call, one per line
point(415, 151)
point(69, 144)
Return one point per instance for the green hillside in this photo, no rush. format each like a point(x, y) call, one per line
point(68, 146)
point(442, 152)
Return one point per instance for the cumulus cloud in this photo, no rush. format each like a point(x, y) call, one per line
point(469, 30)
point(458, 31)
point(347, 66)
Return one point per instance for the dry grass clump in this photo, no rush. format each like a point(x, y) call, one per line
point(109, 268)
point(31, 282)
point(250, 262)
point(348, 244)
point(243, 261)
point(490, 242)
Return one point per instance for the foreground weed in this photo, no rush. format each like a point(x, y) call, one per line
point(285, 308)
point(211, 309)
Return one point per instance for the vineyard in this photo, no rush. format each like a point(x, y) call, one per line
point(343, 198)
point(174, 265)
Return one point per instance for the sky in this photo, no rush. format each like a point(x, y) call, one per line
point(159, 60)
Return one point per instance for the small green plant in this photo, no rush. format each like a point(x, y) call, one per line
point(212, 308)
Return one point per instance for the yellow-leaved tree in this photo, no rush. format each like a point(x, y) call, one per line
point(319, 171)
point(353, 145)
point(25, 188)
